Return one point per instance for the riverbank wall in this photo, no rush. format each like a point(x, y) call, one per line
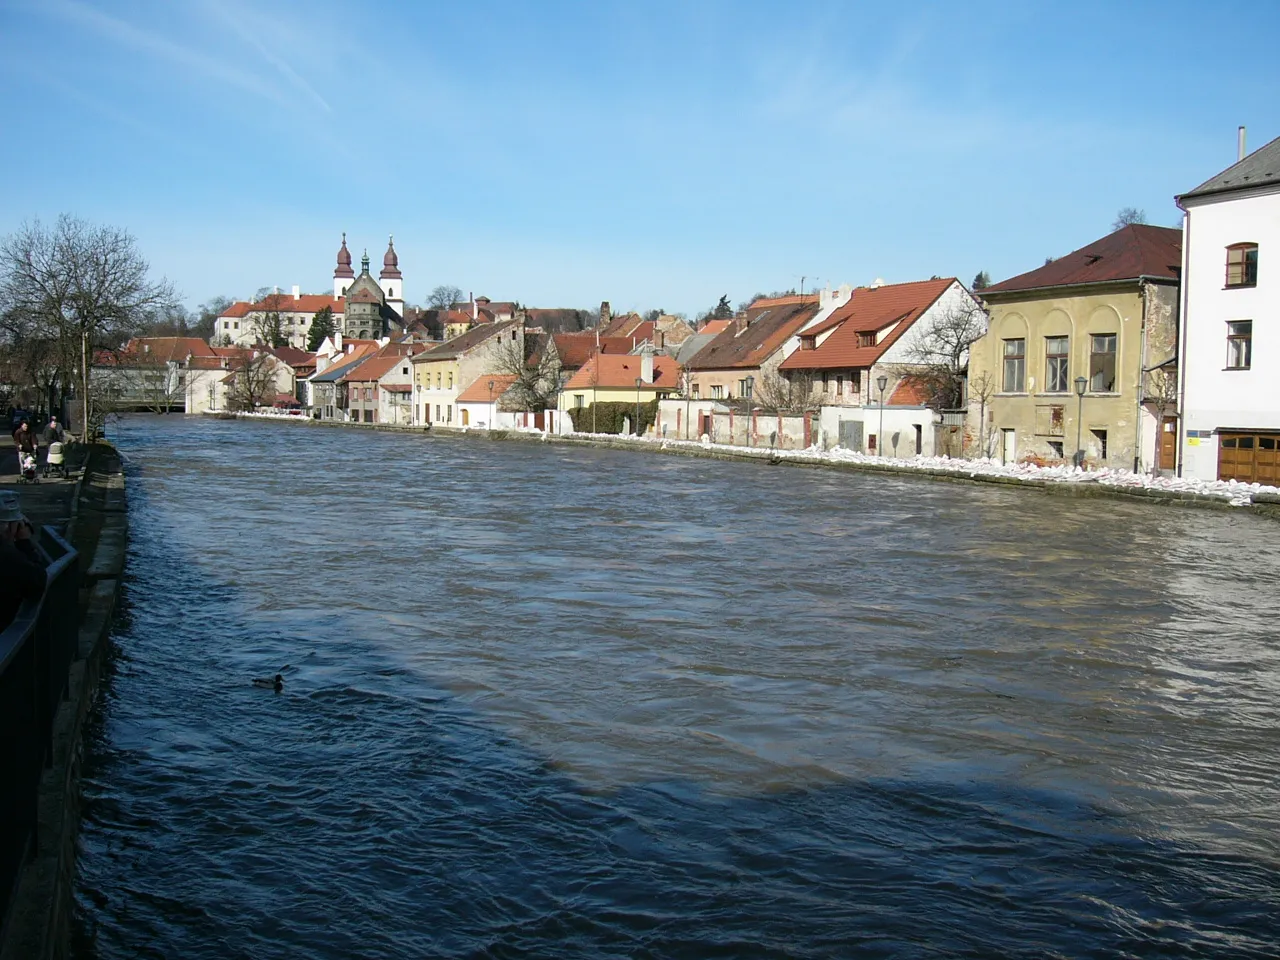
point(1064, 482)
point(40, 921)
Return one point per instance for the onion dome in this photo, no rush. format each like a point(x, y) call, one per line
point(390, 262)
point(344, 261)
point(364, 262)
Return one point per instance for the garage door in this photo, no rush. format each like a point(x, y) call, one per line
point(1249, 457)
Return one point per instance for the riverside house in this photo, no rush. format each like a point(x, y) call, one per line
point(621, 378)
point(440, 373)
point(876, 333)
point(1230, 339)
point(1080, 357)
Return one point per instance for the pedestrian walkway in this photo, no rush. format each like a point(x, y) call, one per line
point(49, 500)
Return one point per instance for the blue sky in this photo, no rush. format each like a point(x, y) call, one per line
point(651, 154)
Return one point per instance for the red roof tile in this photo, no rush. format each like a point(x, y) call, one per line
point(285, 303)
point(910, 392)
point(611, 371)
point(1138, 250)
point(869, 311)
point(574, 349)
point(478, 392)
point(749, 340)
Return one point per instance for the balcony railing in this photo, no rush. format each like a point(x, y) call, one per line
point(36, 653)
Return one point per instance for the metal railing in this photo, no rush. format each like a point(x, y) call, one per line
point(36, 653)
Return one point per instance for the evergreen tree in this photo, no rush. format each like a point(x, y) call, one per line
point(981, 281)
point(321, 327)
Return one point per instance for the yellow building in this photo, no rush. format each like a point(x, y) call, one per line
point(621, 378)
point(441, 373)
point(1079, 360)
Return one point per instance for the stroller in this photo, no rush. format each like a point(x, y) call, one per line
point(55, 461)
point(26, 468)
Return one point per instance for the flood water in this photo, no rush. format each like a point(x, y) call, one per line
point(555, 702)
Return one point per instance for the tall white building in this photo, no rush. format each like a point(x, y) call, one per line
point(1230, 343)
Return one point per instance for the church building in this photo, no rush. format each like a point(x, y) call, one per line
point(363, 308)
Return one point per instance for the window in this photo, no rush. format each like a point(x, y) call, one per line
point(866, 339)
point(696, 391)
point(404, 371)
point(1055, 364)
point(717, 391)
point(450, 379)
point(1242, 265)
point(439, 380)
point(1055, 449)
point(1102, 363)
point(1101, 437)
point(1015, 365)
point(826, 386)
point(437, 413)
point(449, 413)
point(840, 386)
point(391, 291)
point(579, 400)
point(1239, 344)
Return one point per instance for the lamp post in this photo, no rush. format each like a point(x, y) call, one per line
point(749, 384)
point(1081, 383)
point(492, 406)
point(881, 381)
point(639, 380)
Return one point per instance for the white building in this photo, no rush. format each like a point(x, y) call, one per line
point(1230, 343)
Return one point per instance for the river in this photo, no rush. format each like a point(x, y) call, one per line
point(544, 701)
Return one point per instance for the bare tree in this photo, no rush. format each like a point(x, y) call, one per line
point(1126, 216)
point(82, 286)
point(983, 388)
point(536, 367)
point(254, 382)
point(1160, 392)
point(936, 358)
point(268, 325)
point(788, 393)
point(444, 296)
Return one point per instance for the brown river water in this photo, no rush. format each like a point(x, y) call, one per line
point(544, 701)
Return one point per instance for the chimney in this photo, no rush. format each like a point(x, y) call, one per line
point(646, 366)
point(297, 292)
point(605, 313)
point(1239, 144)
point(475, 311)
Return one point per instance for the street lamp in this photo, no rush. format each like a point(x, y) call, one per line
point(881, 381)
point(639, 380)
point(1081, 383)
point(749, 384)
point(492, 407)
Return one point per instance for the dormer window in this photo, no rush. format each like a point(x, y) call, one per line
point(807, 343)
point(866, 339)
point(1242, 265)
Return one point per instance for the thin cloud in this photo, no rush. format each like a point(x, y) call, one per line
point(126, 34)
point(235, 21)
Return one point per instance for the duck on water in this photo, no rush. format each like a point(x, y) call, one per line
point(276, 684)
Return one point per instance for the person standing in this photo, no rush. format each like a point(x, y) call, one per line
point(22, 575)
point(26, 442)
point(52, 433)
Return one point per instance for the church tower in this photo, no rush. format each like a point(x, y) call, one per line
point(343, 274)
point(390, 279)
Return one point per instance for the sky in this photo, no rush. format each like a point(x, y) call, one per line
point(656, 155)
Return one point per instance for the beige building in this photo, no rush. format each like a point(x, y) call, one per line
point(1080, 358)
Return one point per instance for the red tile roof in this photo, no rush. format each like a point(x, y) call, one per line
point(285, 303)
point(371, 369)
point(789, 299)
point(612, 371)
point(714, 326)
point(294, 357)
point(164, 349)
point(478, 392)
point(910, 392)
point(749, 340)
point(574, 349)
point(1137, 250)
point(868, 311)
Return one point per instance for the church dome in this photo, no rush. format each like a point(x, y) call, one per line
point(344, 261)
point(390, 262)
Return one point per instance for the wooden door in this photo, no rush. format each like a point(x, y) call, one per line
point(1249, 458)
point(1167, 458)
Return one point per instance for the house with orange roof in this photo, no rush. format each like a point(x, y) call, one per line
point(368, 390)
point(622, 378)
point(441, 372)
point(153, 373)
point(855, 360)
point(481, 404)
point(325, 392)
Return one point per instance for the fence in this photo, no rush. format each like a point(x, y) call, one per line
point(36, 653)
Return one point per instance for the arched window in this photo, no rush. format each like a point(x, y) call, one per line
point(391, 291)
point(1242, 265)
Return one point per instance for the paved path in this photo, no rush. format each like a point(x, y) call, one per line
point(47, 501)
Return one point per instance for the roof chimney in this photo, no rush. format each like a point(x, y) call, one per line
point(605, 313)
point(475, 311)
point(646, 366)
point(297, 292)
point(1239, 144)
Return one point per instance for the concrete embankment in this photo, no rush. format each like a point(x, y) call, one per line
point(40, 920)
point(1265, 504)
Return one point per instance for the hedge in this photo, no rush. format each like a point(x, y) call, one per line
point(608, 417)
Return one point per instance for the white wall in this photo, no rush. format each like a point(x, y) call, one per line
point(1215, 397)
point(901, 421)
